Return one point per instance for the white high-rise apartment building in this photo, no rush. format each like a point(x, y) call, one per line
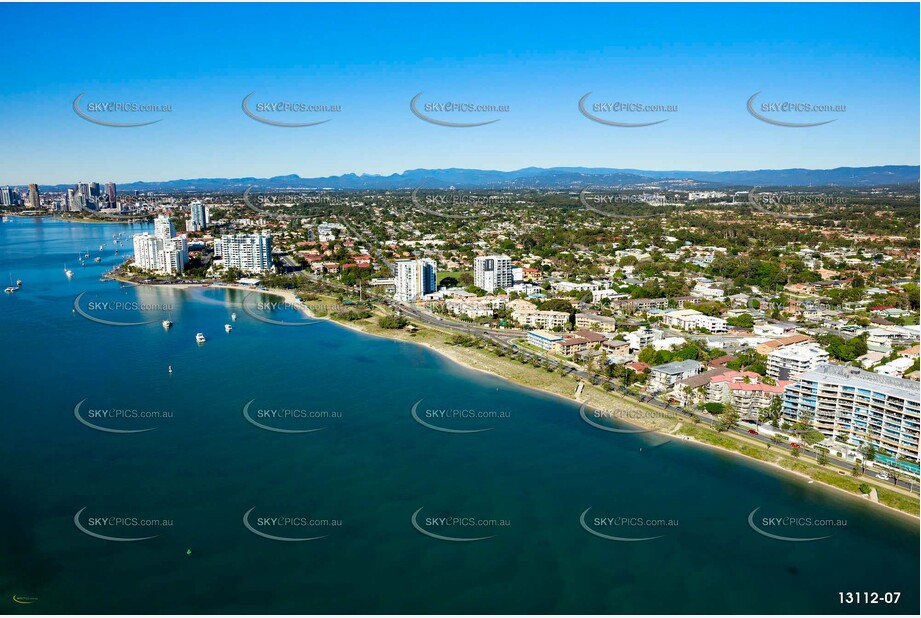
point(414, 278)
point(161, 252)
point(163, 227)
point(146, 251)
point(859, 408)
point(166, 256)
point(250, 253)
point(175, 255)
point(492, 272)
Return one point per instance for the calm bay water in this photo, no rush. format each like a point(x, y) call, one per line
point(363, 476)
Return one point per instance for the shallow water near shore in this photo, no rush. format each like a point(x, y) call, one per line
point(360, 471)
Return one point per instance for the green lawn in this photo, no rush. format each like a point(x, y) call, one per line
point(452, 273)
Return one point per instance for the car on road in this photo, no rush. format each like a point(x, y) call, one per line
point(794, 445)
point(883, 476)
point(753, 432)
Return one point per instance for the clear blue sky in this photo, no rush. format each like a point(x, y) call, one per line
point(372, 59)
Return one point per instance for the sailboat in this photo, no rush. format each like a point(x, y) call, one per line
point(68, 272)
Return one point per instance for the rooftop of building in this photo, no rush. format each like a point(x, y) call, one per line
point(677, 367)
point(702, 379)
point(857, 378)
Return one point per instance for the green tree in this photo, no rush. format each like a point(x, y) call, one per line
point(743, 321)
point(822, 457)
point(392, 321)
point(714, 408)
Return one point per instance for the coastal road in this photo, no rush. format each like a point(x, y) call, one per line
point(496, 337)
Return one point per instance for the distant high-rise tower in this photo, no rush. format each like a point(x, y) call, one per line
point(6, 196)
point(163, 227)
point(199, 219)
point(35, 201)
point(110, 194)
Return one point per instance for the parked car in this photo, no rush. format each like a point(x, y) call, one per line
point(794, 445)
point(753, 432)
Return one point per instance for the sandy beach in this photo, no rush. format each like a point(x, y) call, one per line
point(553, 384)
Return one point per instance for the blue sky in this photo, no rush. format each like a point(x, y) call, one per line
point(707, 59)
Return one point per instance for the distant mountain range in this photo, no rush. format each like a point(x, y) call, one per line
point(550, 178)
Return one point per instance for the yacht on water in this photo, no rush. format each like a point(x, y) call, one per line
point(233, 316)
point(68, 271)
point(167, 324)
point(228, 327)
point(200, 338)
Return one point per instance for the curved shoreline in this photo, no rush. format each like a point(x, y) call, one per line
point(289, 295)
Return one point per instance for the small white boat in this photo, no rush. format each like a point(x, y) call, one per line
point(200, 338)
point(167, 324)
point(101, 247)
point(233, 316)
point(68, 271)
point(10, 289)
point(169, 368)
point(228, 327)
point(19, 283)
point(98, 259)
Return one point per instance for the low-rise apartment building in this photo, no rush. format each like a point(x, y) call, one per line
point(790, 361)
point(592, 321)
point(664, 377)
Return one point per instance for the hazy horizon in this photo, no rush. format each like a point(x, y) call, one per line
point(707, 61)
